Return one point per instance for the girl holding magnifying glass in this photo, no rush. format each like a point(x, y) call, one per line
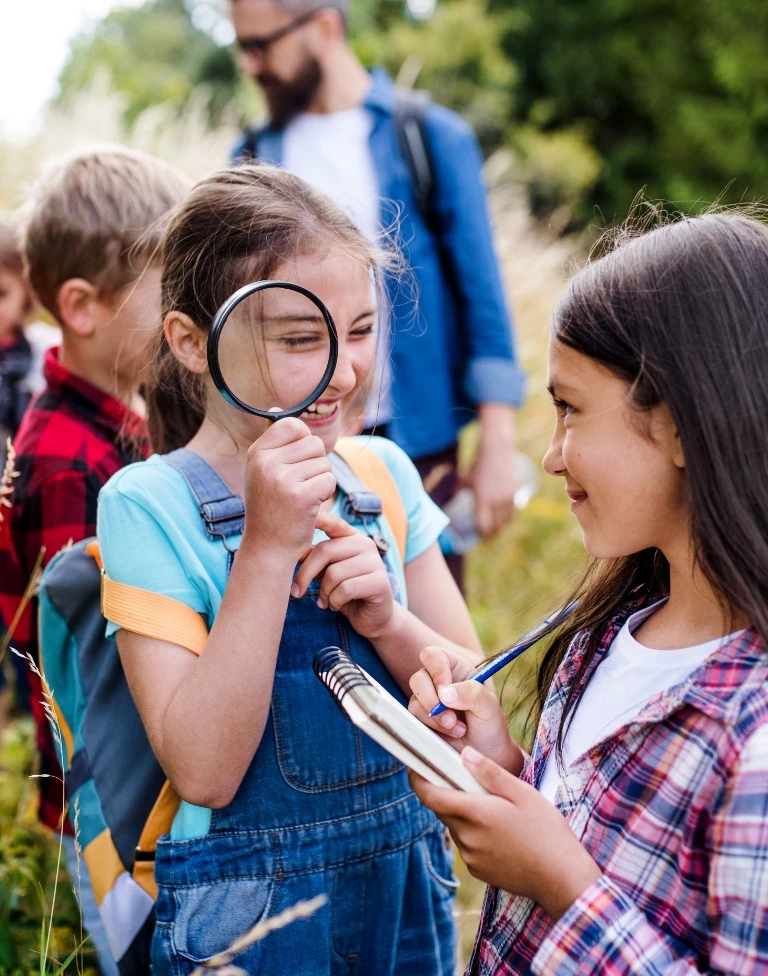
point(281, 798)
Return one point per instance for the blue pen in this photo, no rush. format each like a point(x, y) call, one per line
point(487, 670)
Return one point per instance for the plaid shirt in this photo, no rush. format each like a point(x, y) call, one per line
point(72, 439)
point(674, 809)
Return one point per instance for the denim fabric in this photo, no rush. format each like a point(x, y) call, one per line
point(453, 345)
point(322, 809)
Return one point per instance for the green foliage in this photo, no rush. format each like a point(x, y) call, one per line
point(558, 167)
point(154, 54)
point(35, 894)
point(672, 94)
point(598, 98)
point(457, 56)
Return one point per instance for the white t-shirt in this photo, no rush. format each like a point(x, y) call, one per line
point(623, 684)
point(331, 152)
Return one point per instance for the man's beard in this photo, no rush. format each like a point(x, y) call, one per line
point(286, 99)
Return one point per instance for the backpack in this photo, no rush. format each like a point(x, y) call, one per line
point(120, 802)
point(410, 118)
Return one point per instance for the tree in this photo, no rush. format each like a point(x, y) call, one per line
point(669, 94)
point(154, 54)
point(457, 56)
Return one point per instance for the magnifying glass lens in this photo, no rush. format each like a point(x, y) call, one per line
point(274, 349)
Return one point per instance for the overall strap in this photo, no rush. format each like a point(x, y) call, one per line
point(372, 472)
point(360, 502)
point(222, 511)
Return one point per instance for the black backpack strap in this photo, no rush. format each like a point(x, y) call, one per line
point(222, 511)
point(413, 139)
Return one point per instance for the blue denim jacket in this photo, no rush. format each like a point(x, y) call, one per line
point(456, 349)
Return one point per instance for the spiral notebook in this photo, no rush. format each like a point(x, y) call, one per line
point(381, 716)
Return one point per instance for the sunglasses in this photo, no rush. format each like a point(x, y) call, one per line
point(261, 45)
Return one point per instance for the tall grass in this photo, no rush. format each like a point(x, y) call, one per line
point(513, 580)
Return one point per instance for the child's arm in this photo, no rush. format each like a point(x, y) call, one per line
point(354, 580)
point(205, 716)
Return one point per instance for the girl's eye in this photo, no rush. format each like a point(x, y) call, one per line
point(297, 341)
point(562, 407)
point(363, 331)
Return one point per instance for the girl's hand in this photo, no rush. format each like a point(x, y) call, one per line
point(353, 577)
point(474, 717)
point(514, 838)
point(287, 479)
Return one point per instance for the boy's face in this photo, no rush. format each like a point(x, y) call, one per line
point(14, 301)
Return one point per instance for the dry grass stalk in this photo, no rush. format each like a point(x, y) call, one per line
point(33, 585)
point(58, 738)
point(6, 482)
point(221, 962)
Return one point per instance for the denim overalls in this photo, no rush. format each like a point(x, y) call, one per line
point(322, 810)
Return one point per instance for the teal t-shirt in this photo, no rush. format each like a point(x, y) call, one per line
point(149, 530)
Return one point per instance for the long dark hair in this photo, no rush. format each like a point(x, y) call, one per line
point(681, 313)
point(236, 226)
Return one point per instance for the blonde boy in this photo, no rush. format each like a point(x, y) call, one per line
point(90, 242)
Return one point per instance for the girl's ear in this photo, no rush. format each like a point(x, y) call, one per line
point(678, 458)
point(187, 341)
point(665, 434)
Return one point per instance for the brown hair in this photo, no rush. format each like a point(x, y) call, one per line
point(681, 313)
point(10, 251)
point(97, 215)
point(236, 226)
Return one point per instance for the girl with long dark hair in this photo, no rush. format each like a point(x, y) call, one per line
point(634, 838)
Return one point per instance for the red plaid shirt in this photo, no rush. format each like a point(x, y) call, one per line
point(71, 441)
point(674, 809)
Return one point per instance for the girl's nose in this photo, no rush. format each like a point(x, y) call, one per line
point(344, 377)
point(552, 462)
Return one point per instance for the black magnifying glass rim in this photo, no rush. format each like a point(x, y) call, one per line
point(220, 320)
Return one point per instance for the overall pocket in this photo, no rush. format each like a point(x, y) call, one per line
point(208, 918)
point(439, 858)
point(318, 748)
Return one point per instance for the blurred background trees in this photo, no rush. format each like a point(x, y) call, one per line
point(594, 99)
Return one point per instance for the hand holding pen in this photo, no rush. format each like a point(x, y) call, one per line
point(489, 668)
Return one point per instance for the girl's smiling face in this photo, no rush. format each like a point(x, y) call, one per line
point(345, 287)
point(623, 469)
point(284, 366)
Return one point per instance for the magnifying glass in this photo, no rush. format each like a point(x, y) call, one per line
point(272, 349)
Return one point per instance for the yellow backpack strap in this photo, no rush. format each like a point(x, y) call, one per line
point(149, 614)
point(374, 474)
point(158, 823)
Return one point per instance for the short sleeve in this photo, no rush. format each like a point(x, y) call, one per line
point(425, 519)
point(140, 548)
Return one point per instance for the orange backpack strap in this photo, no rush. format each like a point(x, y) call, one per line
point(149, 614)
point(152, 615)
point(158, 823)
point(376, 476)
